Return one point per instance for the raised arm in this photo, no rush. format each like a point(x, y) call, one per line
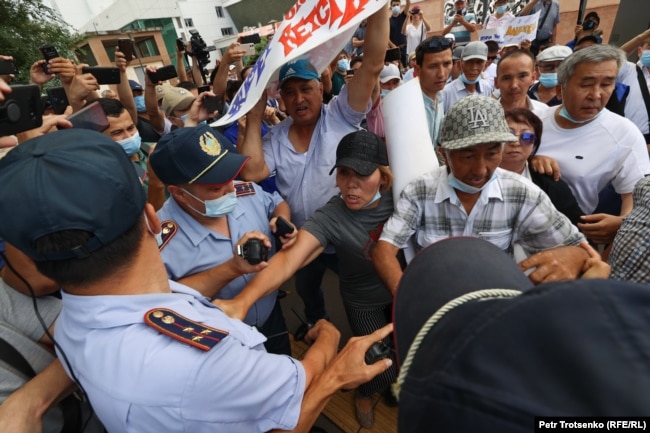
point(374, 52)
point(630, 46)
point(156, 116)
point(255, 169)
point(124, 89)
point(526, 10)
point(232, 54)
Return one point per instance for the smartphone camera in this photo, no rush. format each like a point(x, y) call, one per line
point(22, 110)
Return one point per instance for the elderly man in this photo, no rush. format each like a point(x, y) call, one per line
point(545, 90)
point(302, 148)
point(151, 354)
point(208, 215)
point(593, 146)
point(471, 196)
point(515, 72)
point(472, 63)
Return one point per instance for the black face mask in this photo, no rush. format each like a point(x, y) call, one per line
point(589, 25)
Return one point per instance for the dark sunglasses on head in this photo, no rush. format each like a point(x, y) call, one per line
point(437, 44)
point(526, 139)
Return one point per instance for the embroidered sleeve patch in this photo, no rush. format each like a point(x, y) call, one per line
point(180, 328)
point(244, 188)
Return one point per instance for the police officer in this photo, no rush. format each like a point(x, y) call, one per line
point(208, 215)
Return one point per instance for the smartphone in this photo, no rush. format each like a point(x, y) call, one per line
point(58, 99)
point(92, 116)
point(282, 227)
point(392, 54)
point(250, 39)
point(205, 88)
point(349, 72)
point(180, 45)
point(250, 49)
point(213, 103)
point(163, 74)
point(104, 74)
point(8, 67)
point(49, 53)
point(459, 11)
point(126, 46)
point(21, 110)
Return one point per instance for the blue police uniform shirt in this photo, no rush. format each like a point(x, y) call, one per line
point(195, 248)
point(140, 380)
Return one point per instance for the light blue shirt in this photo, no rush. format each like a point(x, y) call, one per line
point(196, 248)
point(303, 179)
point(433, 110)
point(140, 380)
point(456, 90)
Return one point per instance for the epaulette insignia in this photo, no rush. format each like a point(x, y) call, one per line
point(244, 188)
point(167, 230)
point(180, 328)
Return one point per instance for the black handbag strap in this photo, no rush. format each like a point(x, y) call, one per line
point(548, 9)
point(11, 356)
point(646, 95)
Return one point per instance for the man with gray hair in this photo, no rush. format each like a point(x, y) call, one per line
point(593, 147)
point(472, 196)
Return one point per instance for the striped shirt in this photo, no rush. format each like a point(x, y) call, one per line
point(510, 210)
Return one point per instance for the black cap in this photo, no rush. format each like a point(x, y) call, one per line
point(494, 360)
point(195, 155)
point(74, 179)
point(361, 151)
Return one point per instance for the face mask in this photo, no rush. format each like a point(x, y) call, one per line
point(645, 58)
point(343, 64)
point(131, 145)
point(184, 117)
point(502, 9)
point(217, 207)
point(464, 79)
point(158, 235)
point(374, 199)
point(384, 92)
point(395, 10)
point(564, 113)
point(457, 184)
point(548, 80)
point(139, 104)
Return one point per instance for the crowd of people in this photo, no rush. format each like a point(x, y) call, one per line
point(134, 242)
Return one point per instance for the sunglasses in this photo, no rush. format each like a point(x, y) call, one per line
point(526, 139)
point(438, 44)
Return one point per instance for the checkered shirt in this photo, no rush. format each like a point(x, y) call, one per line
point(510, 210)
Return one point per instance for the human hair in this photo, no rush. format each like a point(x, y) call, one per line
point(493, 46)
point(242, 73)
point(433, 44)
point(515, 53)
point(594, 54)
point(187, 85)
point(387, 178)
point(355, 60)
point(112, 258)
point(232, 88)
point(524, 115)
point(592, 15)
point(111, 107)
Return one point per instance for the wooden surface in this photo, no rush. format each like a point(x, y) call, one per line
point(340, 409)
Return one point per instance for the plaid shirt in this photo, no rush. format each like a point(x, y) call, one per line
point(629, 256)
point(510, 210)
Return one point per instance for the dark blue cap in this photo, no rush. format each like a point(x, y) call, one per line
point(300, 68)
point(195, 155)
point(135, 85)
point(74, 179)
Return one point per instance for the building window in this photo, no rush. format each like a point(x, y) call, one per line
point(147, 48)
point(227, 31)
point(189, 22)
point(219, 10)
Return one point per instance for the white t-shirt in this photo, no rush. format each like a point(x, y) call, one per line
point(607, 149)
point(414, 35)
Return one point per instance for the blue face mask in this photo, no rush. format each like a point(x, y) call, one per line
point(502, 9)
point(374, 199)
point(457, 184)
point(184, 117)
point(645, 58)
point(131, 145)
point(395, 10)
point(564, 113)
point(217, 207)
point(384, 92)
point(139, 104)
point(343, 64)
point(464, 79)
point(548, 79)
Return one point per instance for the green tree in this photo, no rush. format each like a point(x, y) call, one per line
point(28, 24)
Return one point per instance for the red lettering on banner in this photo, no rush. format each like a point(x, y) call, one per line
point(351, 10)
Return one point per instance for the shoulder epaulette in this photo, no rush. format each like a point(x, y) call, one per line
point(168, 230)
point(180, 328)
point(244, 188)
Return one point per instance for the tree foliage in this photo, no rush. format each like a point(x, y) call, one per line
point(28, 24)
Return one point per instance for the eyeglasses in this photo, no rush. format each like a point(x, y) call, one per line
point(526, 139)
point(437, 44)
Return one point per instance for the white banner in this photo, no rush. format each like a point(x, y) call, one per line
point(410, 151)
point(313, 29)
point(520, 29)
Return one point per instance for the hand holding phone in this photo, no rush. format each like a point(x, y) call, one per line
point(8, 67)
point(283, 227)
point(126, 47)
point(163, 73)
point(104, 74)
point(49, 53)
